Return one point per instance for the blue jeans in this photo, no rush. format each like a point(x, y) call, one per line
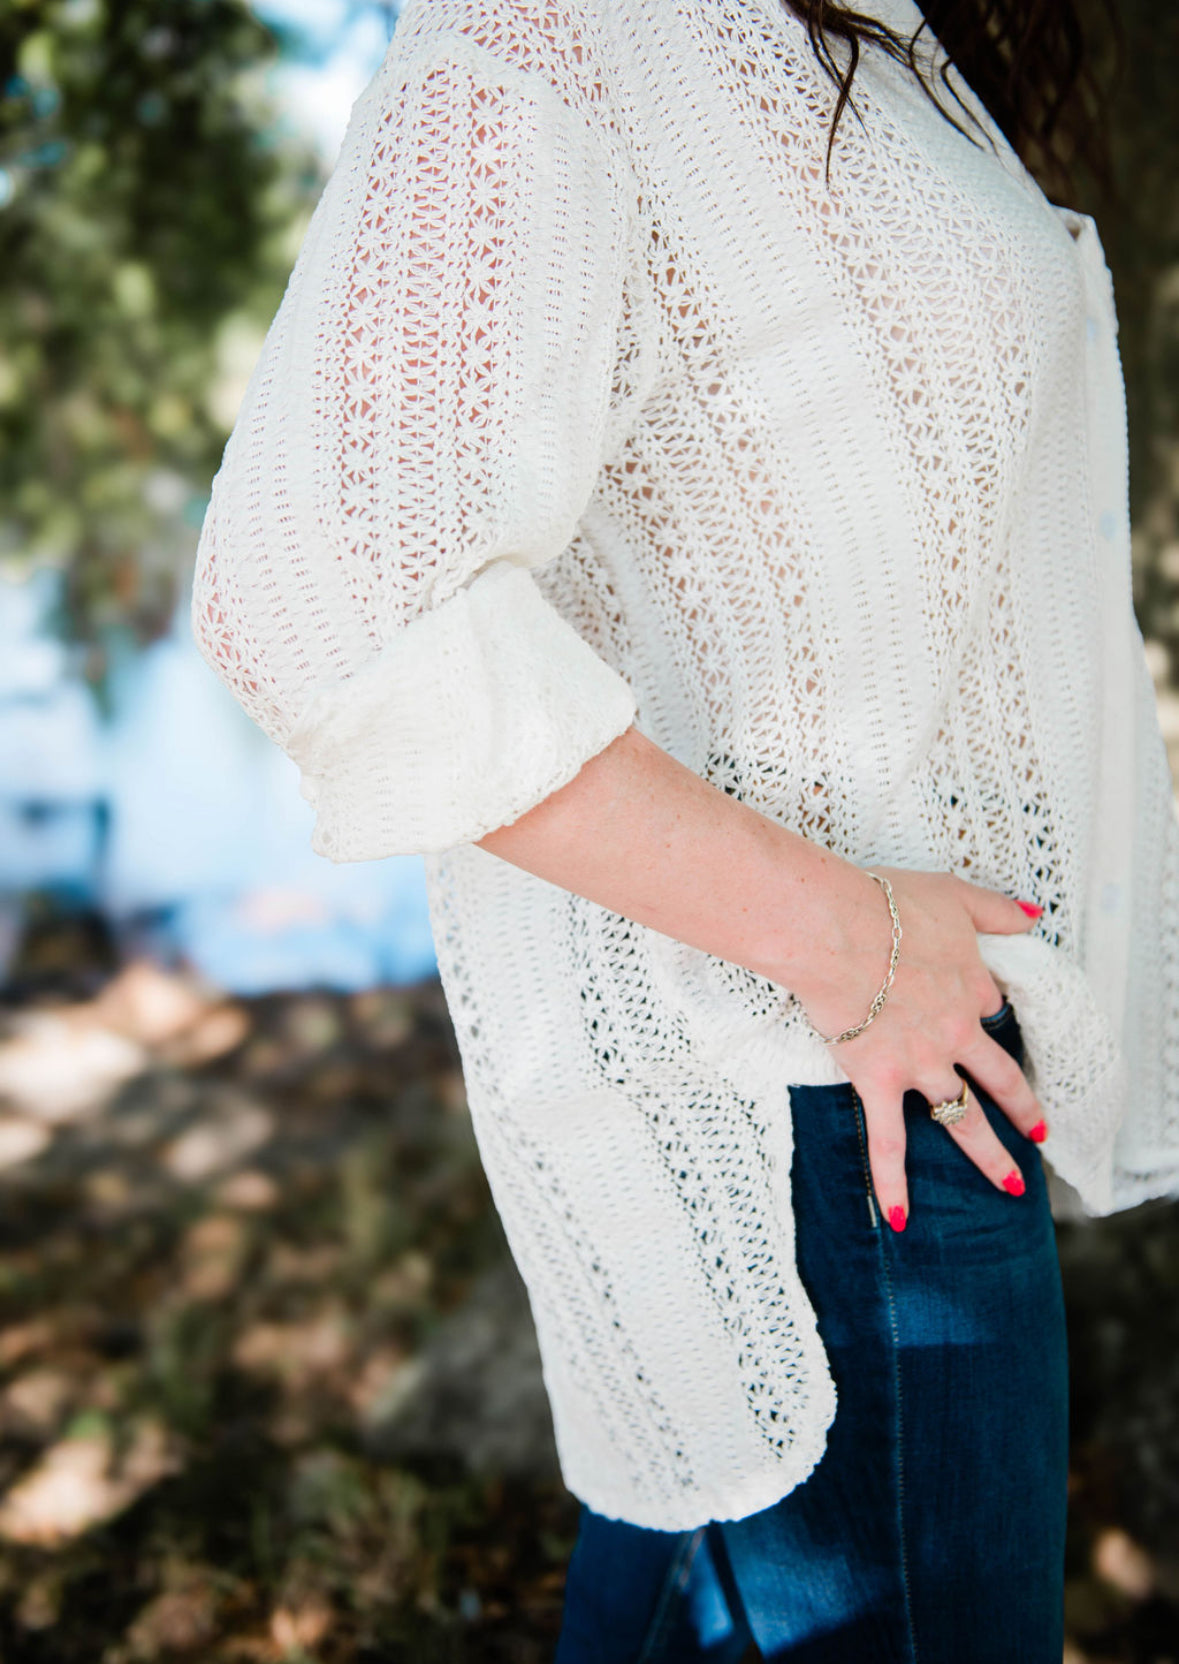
point(932, 1529)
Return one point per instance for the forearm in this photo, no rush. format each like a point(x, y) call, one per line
point(641, 834)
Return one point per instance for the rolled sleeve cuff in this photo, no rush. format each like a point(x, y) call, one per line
point(477, 711)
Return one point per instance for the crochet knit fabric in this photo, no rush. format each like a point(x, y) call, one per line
point(594, 401)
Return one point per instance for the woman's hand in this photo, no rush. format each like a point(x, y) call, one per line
point(929, 1023)
point(639, 832)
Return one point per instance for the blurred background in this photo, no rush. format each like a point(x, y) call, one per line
point(268, 1384)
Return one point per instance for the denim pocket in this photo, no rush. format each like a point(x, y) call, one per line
point(997, 1018)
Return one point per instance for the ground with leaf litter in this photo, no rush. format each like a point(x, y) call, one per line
point(268, 1385)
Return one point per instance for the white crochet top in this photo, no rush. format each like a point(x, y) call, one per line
point(590, 402)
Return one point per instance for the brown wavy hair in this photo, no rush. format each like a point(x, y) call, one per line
point(1042, 68)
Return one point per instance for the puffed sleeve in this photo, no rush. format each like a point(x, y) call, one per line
point(424, 426)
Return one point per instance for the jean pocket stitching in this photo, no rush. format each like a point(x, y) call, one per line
point(998, 1018)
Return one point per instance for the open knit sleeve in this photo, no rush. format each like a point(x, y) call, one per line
point(424, 426)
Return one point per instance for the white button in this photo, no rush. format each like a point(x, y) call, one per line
point(1109, 524)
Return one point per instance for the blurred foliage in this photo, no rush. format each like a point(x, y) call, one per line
point(1139, 225)
point(147, 224)
point(149, 218)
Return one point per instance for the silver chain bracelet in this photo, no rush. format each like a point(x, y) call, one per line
point(878, 1003)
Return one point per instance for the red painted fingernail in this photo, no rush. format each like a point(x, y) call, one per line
point(1030, 908)
point(1014, 1182)
point(896, 1217)
point(1038, 1133)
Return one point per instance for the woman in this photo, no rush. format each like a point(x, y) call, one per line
point(704, 538)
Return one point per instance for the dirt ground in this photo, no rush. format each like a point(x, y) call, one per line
point(268, 1384)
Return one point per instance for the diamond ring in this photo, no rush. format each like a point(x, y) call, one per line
point(952, 1110)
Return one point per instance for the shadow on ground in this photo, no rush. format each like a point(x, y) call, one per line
point(268, 1383)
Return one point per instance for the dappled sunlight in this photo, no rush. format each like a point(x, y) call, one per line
point(236, 1127)
point(182, 1619)
point(66, 1065)
point(385, 1384)
point(83, 1480)
point(58, 1068)
point(150, 1005)
point(1166, 692)
point(264, 1336)
point(21, 1138)
point(301, 1624)
point(251, 1327)
point(298, 1353)
point(212, 1257)
point(249, 1190)
point(33, 1405)
point(1123, 1564)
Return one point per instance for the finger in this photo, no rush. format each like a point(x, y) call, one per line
point(884, 1117)
point(994, 1001)
point(994, 1069)
point(993, 912)
point(977, 1140)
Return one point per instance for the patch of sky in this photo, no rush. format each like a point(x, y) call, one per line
point(330, 51)
point(311, 28)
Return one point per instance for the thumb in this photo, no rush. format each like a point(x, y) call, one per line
point(995, 913)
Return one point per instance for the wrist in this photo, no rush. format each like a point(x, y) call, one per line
point(852, 1030)
point(834, 952)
